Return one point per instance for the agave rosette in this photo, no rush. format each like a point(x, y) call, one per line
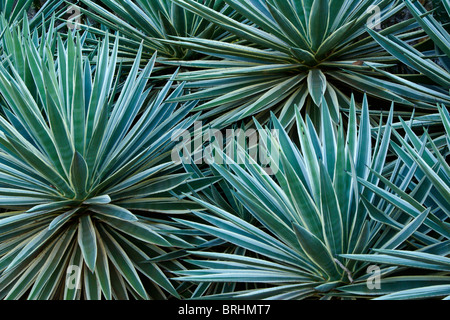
point(425, 158)
point(312, 210)
point(85, 165)
point(291, 54)
point(92, 205)
point(153, 22)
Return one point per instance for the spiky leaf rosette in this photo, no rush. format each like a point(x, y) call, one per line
point(292, 53)
point(153, 22)
point(310, 211)
point(82, 160)
point(425, 158)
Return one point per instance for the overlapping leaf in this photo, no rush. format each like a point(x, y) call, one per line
point(306, 214)
point(81, 161)
point(289, 55)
